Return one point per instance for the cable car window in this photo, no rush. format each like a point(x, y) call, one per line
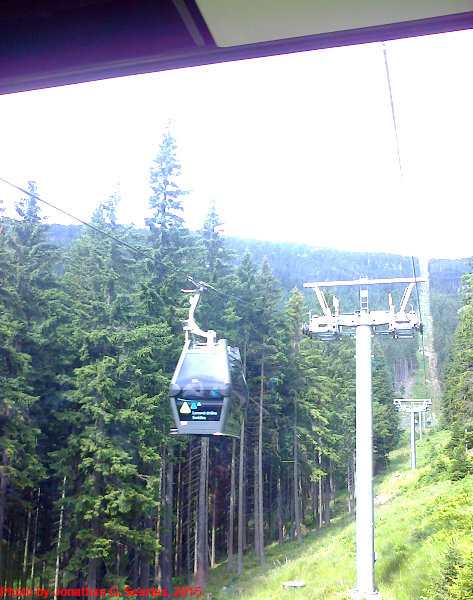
point(203, 375)
point(209, 365)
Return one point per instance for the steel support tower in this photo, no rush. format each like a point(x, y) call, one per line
point(364, 323)
point(413, 406)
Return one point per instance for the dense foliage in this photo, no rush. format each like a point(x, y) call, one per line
point(457, 405)
point(93, 488)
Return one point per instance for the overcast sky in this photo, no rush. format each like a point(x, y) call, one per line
point(296, 148)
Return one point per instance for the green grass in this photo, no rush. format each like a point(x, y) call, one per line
point(417, 516)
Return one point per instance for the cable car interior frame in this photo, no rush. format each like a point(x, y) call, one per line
point(208, 391)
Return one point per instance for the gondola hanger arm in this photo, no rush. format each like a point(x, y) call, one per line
point(190, 326)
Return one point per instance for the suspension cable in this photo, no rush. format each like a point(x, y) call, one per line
point(133, 248)
point(401, 177)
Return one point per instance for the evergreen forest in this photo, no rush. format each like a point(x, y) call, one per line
point(95, 491)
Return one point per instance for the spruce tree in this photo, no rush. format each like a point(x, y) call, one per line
point(115, 412)
point(28, 360)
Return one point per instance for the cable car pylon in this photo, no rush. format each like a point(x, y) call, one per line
point(364, 323)
point(412, 406)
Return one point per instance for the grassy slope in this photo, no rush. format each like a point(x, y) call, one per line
point(417, 515)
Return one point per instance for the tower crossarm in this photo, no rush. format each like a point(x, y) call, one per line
point(383, 322)
point(412, 404)
point(363, 281)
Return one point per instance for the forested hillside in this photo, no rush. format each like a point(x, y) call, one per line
point(445, 301)
point(94, 490)
point(293, 264)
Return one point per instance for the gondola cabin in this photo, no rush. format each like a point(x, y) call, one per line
point(207, 390)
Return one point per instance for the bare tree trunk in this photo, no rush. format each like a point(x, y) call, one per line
point(291, 518)
point(145, 567)
point(202, 532)
point(166, 555)
point(59, 536)
point(270, 501)
point(34, 541)
point(91, 573)
point(117, 566)
point(196, 529)
point(303, 497)
point(231, 519)
point(156, 578)
point(135, 571)
point(256, 502)
point(3, 493)
point(279, 496)
point(25, 554)
point(207, 511)
point(297, 514)
point(246, 528)
point(313, 497)
point(212, 535)
point(260, 469)
point(189, 514)
point(326, 488)
point(331, 481)
point(241, 520)
point(321, 495)
point(349, 486)
point(178, 526)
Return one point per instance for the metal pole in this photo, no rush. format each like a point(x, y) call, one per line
point(364, 467)
point(413, 441)
point(420, 426)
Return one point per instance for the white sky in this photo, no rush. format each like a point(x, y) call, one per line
point(292, 148)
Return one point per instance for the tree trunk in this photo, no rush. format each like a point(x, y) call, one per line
point(34, 541)
point(320, 493)
point(313, 497)
point(144, 571)
point(178, 525)
point(279, 496)
point(135, 570)
point(326, 488)
point(25, 554)
point(331, 480)
point(297, 514)
point(255, 503)
point(212, 535)
point(231, 519)
point(202, 533)
point(291, 517)
point(117, 566)
point(241, 482)
point(3, 493)
point(260, 470)
point(349, 496)
point(166, 555)
point(59, 536)
point(91, 573)
point(188, 517)
point(156, 578)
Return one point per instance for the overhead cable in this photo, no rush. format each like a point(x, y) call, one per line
point(401, 176)
point(132, 248)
